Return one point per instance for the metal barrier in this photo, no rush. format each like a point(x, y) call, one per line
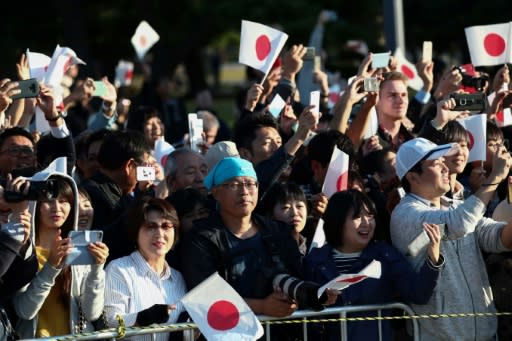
point(301, 316)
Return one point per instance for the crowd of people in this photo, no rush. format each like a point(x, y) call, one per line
point(247, 203)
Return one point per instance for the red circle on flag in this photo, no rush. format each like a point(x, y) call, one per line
point(342, 182)
point(263, 47)
point(471, 140)
point(407, 71)
point(500, 116)
point(142, 41)
point(223, 315)
point(494, 44)
point(163, 160)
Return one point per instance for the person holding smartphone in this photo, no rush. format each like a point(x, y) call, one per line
point(60, 299)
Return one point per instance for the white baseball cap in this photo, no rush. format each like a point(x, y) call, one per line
point(418, 149)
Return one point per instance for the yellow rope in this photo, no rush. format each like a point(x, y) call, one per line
point(121, 328)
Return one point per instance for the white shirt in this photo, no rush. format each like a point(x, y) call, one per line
point(132, 286)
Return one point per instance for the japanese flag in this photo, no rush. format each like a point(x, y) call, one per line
point(124, 73)
point(504, 118)
point(162, 151)
point(336, 178)
point(62, 59)
point(476, 126)
point(489, 44)
point(408, 69)
point(38, 64)
point(372, 270)
point(144, 38)
point(319, 236)
point(260, 45)
point(220, 313)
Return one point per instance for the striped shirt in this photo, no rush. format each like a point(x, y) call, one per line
point(344, 261)
point(132, 286)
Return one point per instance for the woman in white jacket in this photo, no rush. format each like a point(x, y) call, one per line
point(60, 299)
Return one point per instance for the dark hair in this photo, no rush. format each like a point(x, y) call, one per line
point(416, 169)
point(137, 216)
point(343, 205)
point(280, 193)
point(493, 132)
point(15, 131)
point(245, 129)
point(121, 146)
point(453, 131)
point(62, 187)
point(375, 161)
point(140, 115)
point(322, 144)
point(186, 199)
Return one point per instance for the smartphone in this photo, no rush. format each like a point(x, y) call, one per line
point(29, 88)
point(100, 89)
point(371, 84)
point(472, 102)
point(310, 53)
point(380, 60)
point(145, 173)
point(80, 255)
point(427, 52)
point(509, 193)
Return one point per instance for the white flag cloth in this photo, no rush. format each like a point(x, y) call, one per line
point(276, 105)
point(260, 45)
point(372, 270)
point(220, 313)
point(373, 124)
point(408, 69)
point(37, 64)
point(476, 126)
point(144, 38)
point(62, 59)
point(489, 44)
point(504, 118)
point(336, 178)
point(319, 236)
point(162, 151)
point(124, 73)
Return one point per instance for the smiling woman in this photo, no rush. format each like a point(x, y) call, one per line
point(142, 288)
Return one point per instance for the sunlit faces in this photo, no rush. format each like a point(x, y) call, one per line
point(267, 141)
point(358, 231)
point(457, 162)
point(238, 196)
point(190, 172)
point(156, 236)
point(53, 213)
point(293, 213)
point(393, 100)
point(153, 129)
point(85, 213)
point(433, 182)
point(16, 152)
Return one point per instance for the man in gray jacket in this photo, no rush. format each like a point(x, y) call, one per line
point(463, 287)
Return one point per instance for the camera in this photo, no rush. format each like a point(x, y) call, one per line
point(38, 190)
point(472, 102)
point(470, 81)
point(304, 292)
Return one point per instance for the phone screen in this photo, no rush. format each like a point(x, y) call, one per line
point(427, 52)
point(100, 89)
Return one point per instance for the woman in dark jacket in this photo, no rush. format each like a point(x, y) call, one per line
point(349, 225)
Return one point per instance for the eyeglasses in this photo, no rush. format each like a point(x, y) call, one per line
point(19, 151)
point(236, 186)
point(152, 226)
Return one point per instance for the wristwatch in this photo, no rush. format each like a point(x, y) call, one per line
point(60, 114)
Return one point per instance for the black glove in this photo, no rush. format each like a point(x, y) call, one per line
point(158, 313)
